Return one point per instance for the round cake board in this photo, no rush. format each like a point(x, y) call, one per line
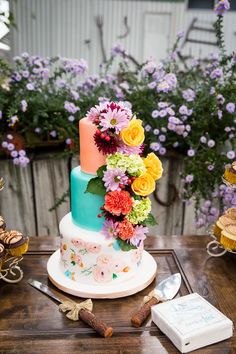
point(145, 275)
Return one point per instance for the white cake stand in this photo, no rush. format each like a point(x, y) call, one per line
point(145, 275)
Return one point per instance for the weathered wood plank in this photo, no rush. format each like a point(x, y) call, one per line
point(16, 199)
point(159, 211)
point(51, 180)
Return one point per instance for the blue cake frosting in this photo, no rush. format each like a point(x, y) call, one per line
point(85, 207)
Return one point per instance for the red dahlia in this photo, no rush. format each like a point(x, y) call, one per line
point(104, 146)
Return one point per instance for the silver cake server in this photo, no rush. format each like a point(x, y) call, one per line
point(165, 290)
point(85, 315)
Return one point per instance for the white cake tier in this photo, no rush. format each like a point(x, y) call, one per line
point(89, 258)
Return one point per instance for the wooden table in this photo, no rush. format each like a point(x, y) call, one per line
point(31, 323)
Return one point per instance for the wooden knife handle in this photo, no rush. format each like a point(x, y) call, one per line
point(100, 327)
point(139, 317)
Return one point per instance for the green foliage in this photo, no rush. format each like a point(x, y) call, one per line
point(124, 245)
point(96, 186)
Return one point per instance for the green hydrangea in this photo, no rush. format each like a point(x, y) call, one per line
point(140, 210)
point(132, 163)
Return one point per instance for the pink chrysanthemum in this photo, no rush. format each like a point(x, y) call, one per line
point(109, 229)
point(114, 119)
point(139, 235)
point(113, 178)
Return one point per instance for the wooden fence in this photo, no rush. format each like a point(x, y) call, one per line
point(30, 192)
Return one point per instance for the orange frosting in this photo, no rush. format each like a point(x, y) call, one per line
point(90, 158)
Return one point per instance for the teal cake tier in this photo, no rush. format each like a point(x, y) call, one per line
point(85, 207)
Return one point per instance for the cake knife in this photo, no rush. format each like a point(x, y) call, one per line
point(165, 290)
point(85, 315)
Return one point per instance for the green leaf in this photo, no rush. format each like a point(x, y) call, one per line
point(150, 220)
point(96, 186)
point(114, 276)
point(125, 246)
point(101, 170)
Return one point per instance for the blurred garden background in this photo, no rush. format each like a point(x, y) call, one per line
point(173, 62)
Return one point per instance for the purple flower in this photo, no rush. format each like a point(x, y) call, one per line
point(68, 141)
point(162, 138)
point(180, 34)
point(114, 119)
point(189, 95)
point(211, 143)
point(155, 114)
point(13, 121)
point(152, 84)
point(189, 178)
point(230, 107)
point(70, 107)
point(22, 153)
point(37, 130)
point(30, 87)
point(222, 7)
point(109, 229)
point(113, 178)
point(231, 155)
point(148, 128)
point(220, 114)
point(170, 111)
point(212, 90)
point(71, 118)
point(45, 73)
point(4, 144)
point(25, 74)
point(162, 113)
point(155, 146)
point(162, 104)
point(117, 49)
point(203, 139)
point(53, 133)
point(14, 153)
point(176, 144)
point(10, 147)
point(216, 73)
point(220, 98)
point(191, 152)
point(183, 110)
point(156, 131)
point(162, 151)
point(24, 105)
point(139, 235)
point(210, 167)
point(9, 137)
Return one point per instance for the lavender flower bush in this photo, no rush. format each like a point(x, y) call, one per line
point(190, 112)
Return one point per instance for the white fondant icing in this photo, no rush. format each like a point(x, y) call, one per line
point(89, 258)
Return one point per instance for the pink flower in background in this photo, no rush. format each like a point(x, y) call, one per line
point(105, 260)
point(78, 243)
point(93, 247)
point(102, 274)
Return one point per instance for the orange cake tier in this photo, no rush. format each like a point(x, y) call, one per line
point(90, 157)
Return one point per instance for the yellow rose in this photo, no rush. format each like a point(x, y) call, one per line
point(143, 185)
point(153, 165)
point(133, 135)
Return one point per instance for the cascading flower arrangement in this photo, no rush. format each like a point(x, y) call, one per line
point(127, 178)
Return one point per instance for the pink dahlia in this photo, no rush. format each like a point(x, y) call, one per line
point(118, 202)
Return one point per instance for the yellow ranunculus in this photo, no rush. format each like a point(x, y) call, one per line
point(153, 165)
point(133, 135)
point(143, 185)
